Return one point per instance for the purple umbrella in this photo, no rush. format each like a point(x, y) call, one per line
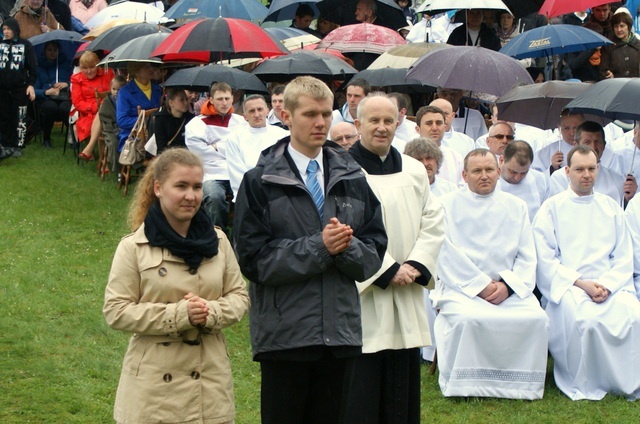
point(470, 68)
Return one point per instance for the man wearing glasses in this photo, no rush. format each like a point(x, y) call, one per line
point(500, 134)
point(344, 134)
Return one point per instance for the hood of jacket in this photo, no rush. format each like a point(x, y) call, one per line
point(13, 25)
point(208, 109)
point(276, 168)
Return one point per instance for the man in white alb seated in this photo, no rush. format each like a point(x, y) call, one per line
point(427, 152)
point(460, 142)
point(517, 177)
point(585, 275)
point(609, 182)
point(430, 124)
point(491, 333)
point(552, 157)
point(244, 145)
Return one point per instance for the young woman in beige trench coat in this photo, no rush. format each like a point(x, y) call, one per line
point(175, 284)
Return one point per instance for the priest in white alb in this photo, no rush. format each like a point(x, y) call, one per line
point(585, 274)
point(384, 382)
point(491, 333)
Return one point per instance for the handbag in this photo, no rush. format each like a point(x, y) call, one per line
point(152, 147)
point(133, 150)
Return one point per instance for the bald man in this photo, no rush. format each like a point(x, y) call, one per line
point(458, 141)
point(344, 134)
point(500, 134)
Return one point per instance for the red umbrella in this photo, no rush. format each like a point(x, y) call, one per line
point(360, 38)
point(216, 39)
point(553, 8)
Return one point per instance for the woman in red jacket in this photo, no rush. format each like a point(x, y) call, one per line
point(84, 85)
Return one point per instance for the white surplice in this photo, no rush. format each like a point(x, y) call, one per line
point(608, 182)
point(484, 349)
point(596, 347)
point(533, 189)
point(395, 317)
point(459, 142)
point(451, 168)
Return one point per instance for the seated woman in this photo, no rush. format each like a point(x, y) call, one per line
point(107, 116)
point(169, 123)
point(84, 85)
point(52, 89)
point(139, 91)
point(622, 58)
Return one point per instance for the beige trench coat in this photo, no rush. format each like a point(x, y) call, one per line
point(163, 378)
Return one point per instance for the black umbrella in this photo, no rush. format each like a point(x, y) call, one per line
point(118, 35)
point(615, 98)
point(522, 8)
point(343, 12)
point(137, 50)
point(395, 79)
point(315, 63)
point(200, 78)
point(540, 105)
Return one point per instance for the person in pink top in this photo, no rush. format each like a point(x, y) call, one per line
point(83, 10)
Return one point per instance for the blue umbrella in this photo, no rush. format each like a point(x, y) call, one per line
point(549, 40)
point(251, 10)
point(69, 41)
point(282, 10)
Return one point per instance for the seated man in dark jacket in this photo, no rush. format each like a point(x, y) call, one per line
point(306, 227)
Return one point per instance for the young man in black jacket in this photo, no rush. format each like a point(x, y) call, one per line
point(307, 227)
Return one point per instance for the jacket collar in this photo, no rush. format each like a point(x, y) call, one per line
point(278, 170)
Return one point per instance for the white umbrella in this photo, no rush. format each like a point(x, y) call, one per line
point(444, 5)
point(127, 9)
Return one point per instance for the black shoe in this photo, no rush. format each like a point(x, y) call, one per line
point(47, 144)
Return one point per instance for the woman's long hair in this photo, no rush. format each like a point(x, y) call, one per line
point(159, 169)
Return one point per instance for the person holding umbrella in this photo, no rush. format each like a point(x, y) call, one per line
point(475, 33)
point(35, 18)
point(621, 59)
point(52, 89)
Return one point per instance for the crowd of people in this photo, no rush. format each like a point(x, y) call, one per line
point(372, 232)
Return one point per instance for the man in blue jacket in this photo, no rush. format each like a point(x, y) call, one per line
point(306, 227)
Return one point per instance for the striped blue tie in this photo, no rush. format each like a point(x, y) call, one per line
point(314, 186)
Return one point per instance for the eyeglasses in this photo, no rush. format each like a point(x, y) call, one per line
point(347, 137)
point(503, 136)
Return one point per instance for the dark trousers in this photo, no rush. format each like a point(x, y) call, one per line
point(13, 111)
point(52, 111)
point(383, 388)
point(307, 392)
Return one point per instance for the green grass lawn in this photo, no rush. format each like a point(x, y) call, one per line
point(60, 363)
